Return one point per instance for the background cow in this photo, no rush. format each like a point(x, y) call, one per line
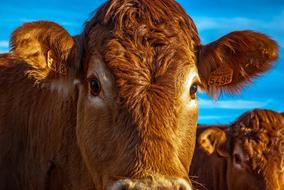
point(248, 154)
point(108, 109)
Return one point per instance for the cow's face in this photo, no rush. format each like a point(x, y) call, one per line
point(119, 140)
point(136, 68)
point(248, 171)
point(134, 103)
point(240, 174)
point(253, 150)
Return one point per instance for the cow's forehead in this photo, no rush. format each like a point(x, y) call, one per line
point(143, 19)
point(151, 48)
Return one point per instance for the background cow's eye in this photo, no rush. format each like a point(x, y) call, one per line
point(193, 90)
point(95, 87)
point(237, 158)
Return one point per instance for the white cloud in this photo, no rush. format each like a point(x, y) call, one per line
point(205, 23)
point(272, 26)
point(274, 23)
point(4, 44)
point(210, 117)
point(231, 104)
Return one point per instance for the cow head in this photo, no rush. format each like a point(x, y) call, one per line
point(136, 68)
point(253, 148)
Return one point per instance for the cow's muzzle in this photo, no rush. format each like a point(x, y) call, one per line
point(151, 184)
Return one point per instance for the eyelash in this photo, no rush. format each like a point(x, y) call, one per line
point(194, 89)
point(95, 86)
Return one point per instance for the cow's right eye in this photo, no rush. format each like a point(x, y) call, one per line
point(95, 87)
point(237, 159)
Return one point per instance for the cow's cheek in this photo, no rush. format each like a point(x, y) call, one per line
point(231, 175)
point(239, 179)
point(187, 124)
point(281, 180)
point(93, 123)
point(188, 115)
point(191, 133)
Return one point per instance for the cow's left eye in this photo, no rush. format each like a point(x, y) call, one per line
point(95, 87)
point(193, 90)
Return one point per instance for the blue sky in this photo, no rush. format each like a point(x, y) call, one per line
point(213, 19)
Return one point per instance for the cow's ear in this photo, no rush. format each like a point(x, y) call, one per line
point(213, 140)
point(46, 47)
point(232, 61)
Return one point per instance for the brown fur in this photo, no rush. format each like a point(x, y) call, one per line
point(137, 128)
point(32, 41)
point(146, 63)
point(260, 135)
point(37, 132)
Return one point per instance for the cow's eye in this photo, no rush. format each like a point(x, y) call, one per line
point(237, 158)
point(193, 90)
point(95, 87)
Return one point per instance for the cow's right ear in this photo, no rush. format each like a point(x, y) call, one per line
point(46, 47)
point(213, 140)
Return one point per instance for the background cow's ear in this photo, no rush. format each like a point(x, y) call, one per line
point(213, 140)
point(45, 46)
point(232, 61)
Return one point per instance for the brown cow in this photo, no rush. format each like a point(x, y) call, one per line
point(109, 108)
point(249, 154)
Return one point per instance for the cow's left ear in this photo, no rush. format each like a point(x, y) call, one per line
point(46, 47)
point(232, 61)
point(213, 140)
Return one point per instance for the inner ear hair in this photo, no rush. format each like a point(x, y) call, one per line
point(55, 65)
point(213, 140)
point(45, 46)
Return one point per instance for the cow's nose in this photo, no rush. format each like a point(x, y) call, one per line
point(151, 184)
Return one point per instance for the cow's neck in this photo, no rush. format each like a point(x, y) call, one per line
point(212, 174)
point(40, 133)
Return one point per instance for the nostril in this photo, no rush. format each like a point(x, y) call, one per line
point(181, 187)
point(121, 185)
point(124, 188)
point(181, 184)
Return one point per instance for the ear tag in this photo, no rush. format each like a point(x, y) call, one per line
point(221, 76)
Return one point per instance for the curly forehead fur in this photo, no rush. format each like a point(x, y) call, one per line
point(148, 47)
point(262, 135)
